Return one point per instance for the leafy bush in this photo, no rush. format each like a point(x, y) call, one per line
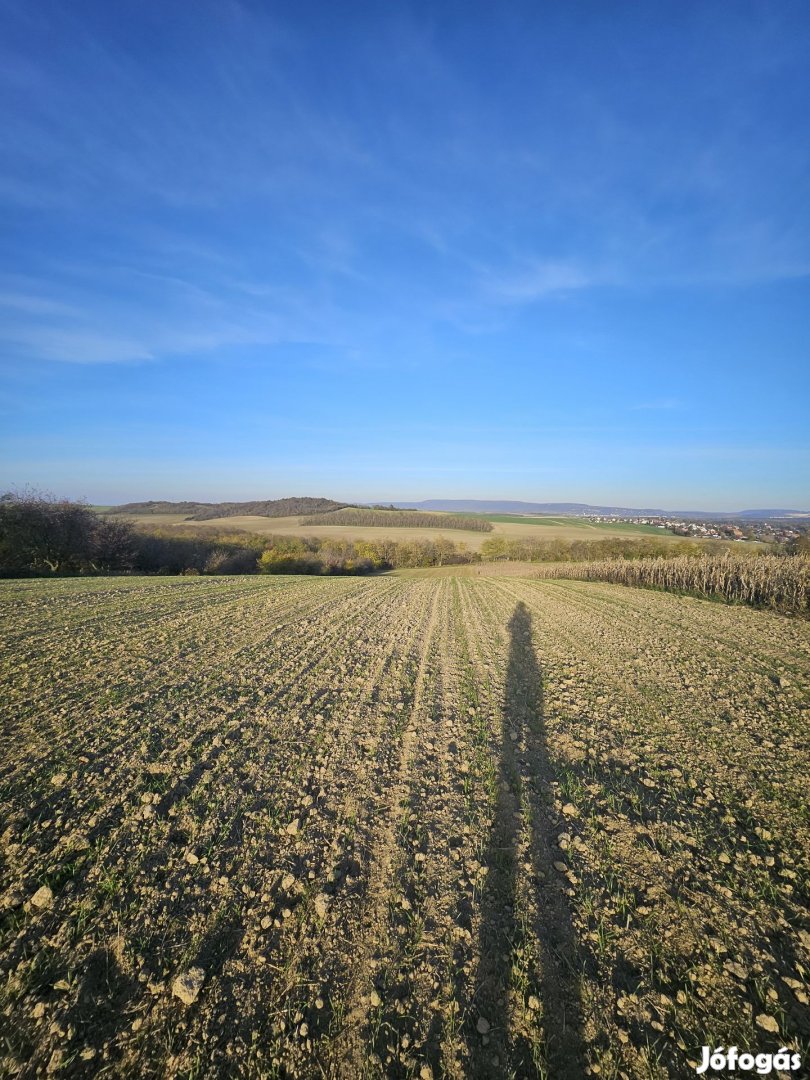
point(44, 535)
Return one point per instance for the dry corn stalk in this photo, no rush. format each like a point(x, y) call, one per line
point(779, 582)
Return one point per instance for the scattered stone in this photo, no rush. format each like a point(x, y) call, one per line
point(188, 985)
point(533, 1003)
point(767, 1023)
point(58, 779)
point(735, 969)
point(321, 905)
point(483, 1026)
point(570, 810)
point(294, 826)
point(42, 898)
point(191, 858)
point(55, 1062)
point(374, 999)
point(288, 880)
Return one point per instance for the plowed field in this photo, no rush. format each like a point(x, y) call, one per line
point(402, 826)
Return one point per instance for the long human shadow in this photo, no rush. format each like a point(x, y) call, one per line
point(548, 966)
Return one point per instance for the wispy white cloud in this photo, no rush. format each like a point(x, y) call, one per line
point(77, 346)
point(536, 281)
point(36, 305)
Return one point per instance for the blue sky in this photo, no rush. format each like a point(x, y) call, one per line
point(403, 251)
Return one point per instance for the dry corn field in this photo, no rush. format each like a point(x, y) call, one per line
point(398, 827)
point(769, 581)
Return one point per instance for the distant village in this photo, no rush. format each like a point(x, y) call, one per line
point(766, 532)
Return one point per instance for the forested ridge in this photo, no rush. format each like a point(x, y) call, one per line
point(199, 511)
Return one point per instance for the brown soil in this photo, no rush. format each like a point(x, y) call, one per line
point(409, 826)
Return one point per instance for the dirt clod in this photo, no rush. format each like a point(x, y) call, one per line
point(42, 898)
point(188, 985)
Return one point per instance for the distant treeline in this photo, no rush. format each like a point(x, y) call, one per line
point(171, 551)
point(532, 549)
point(331, 555)
point(197, 511)
point(402, 519)
point(779, 582)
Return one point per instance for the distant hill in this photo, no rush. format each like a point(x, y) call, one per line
point(198, 511)
point(500, 506)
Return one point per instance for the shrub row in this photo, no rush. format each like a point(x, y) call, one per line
point(530, 549)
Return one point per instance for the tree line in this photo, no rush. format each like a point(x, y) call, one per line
point(533, 549)
point(403, 519)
